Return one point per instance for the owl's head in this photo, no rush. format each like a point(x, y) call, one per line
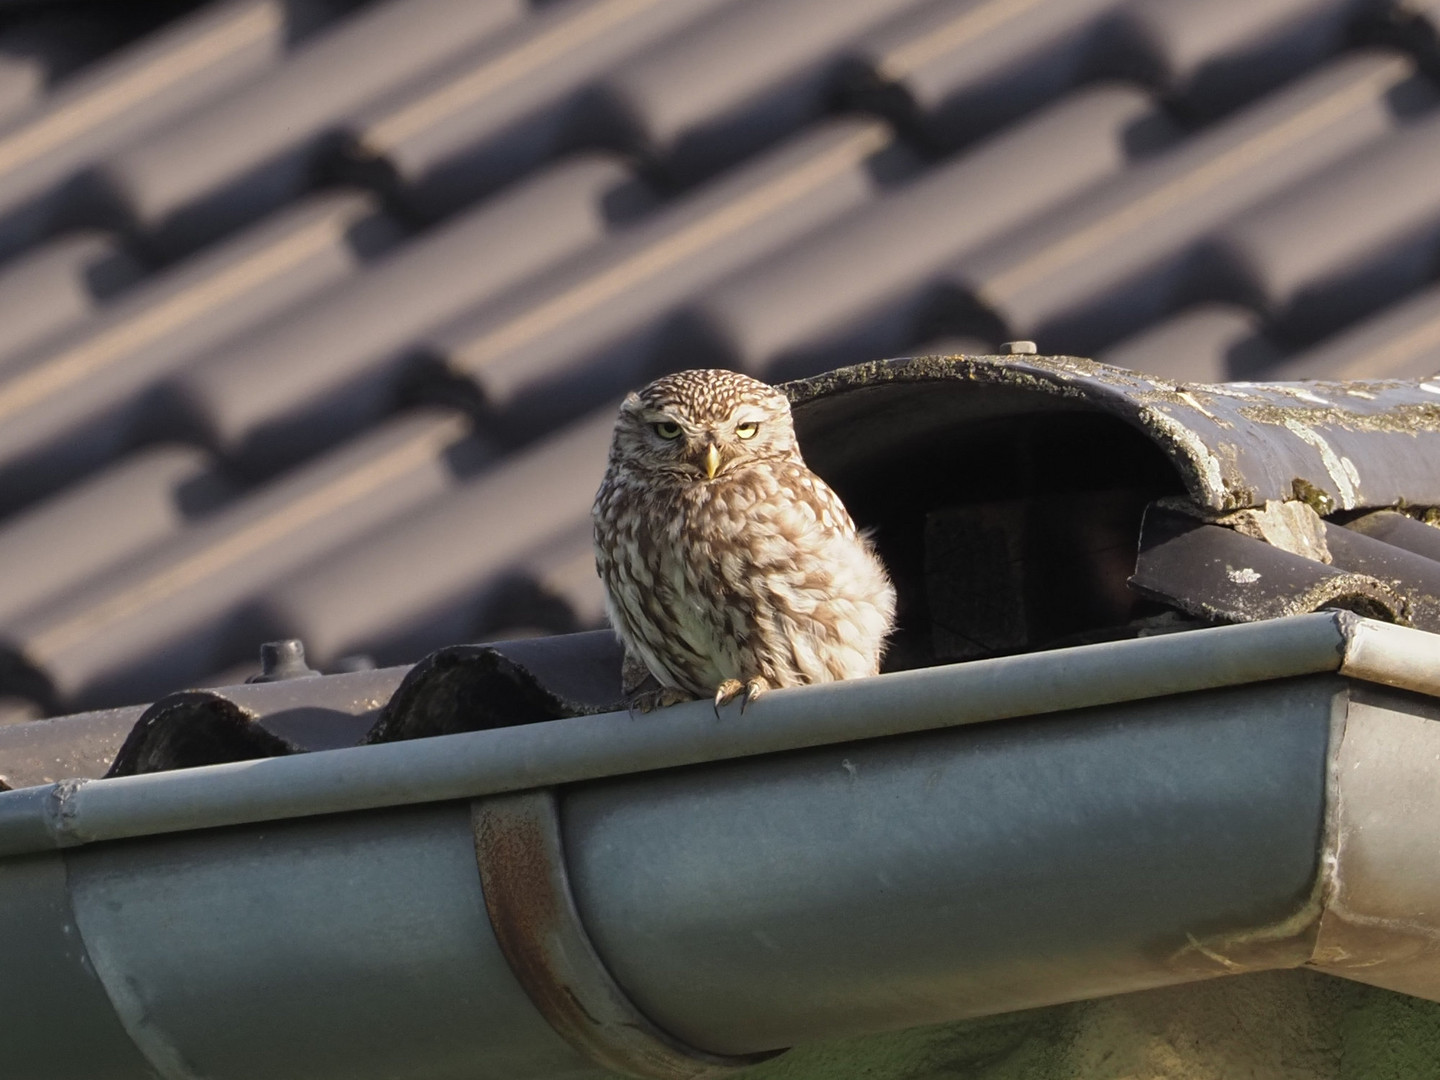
point(703, 425)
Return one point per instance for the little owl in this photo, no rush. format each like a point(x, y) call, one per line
point(730, 567)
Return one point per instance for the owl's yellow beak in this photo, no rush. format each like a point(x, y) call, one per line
point(712, 461)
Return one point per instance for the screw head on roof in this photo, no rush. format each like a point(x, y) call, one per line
point(281, 660)
point(1016, 347)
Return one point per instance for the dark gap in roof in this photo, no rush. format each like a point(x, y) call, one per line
point(1009, 522)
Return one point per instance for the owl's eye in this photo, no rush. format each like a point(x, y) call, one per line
point(747, 431)
point(667, 429)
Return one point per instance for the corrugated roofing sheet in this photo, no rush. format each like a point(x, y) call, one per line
point(243, 247)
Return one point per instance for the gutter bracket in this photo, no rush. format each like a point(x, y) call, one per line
point(537, 924)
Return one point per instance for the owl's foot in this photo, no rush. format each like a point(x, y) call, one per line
point(730, 689)
point(661, 698)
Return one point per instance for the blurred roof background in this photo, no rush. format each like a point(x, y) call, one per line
point(313, 313)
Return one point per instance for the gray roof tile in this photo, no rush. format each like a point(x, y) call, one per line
point(733, 81)
point(857, 288)
point(177, 609)
point(78, 400)
point(255, 149)
point(151, 83)
point(421, 579)
point(953, 71)
point(59, 283)
point(1090, 271)
point(1205, 343)
point(1381, 236)
point(589, 330)
point(252, 403)
point(500, 110)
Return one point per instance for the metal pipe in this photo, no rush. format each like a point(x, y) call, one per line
point(579, 748)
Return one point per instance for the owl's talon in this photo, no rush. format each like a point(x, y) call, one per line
point(726, 693)
point(730, 689)
point(753, 689)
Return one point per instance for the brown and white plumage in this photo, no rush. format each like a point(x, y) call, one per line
point(728, 565)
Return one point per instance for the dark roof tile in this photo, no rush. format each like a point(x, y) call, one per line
point(1081, 276)
point(78, 400)
point(261, 410)
point(269, 719)
point(951, 72)
point(128, 507)
point(110, 105)
point(182, 608)
point(79, 745)
point(472, 124)
point(431, 575)
point(588, 330)
point(1206, 343)
point(735, 80)
point(1381, 209)
point(856, 289)
point(256, 148)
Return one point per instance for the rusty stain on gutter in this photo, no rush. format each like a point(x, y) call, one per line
point(527, 895)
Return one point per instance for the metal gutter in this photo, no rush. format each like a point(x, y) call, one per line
point(677, 895)
point(587, 747)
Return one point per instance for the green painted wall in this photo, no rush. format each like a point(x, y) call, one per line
point(1286, 1025)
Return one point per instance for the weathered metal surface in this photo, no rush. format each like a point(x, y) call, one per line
point(1217, 573)
point(55, 1017)
point(1381, 923)
point(870, 886)
point(522, 870)
point(256, 720)
point(340, 948)
point(502, 684)
point(1340, 446)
